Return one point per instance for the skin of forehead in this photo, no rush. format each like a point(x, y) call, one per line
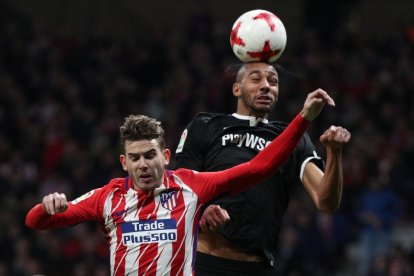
point(144, 145)
point(257, 66)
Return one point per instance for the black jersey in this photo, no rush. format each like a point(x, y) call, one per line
point(214, 142)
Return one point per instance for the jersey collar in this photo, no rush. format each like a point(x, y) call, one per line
point(253, 120)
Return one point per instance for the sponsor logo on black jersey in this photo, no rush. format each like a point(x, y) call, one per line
point(247, 140)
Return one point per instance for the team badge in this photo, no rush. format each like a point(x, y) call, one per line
point(168, 200)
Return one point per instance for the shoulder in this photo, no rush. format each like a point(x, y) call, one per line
point(281, 126)
point(205, 124)
point(278, 124)
point(206, 117)
point(117, 183)
point(182, 172)
point(186, 176)
point(305, 146)
point(101, 192)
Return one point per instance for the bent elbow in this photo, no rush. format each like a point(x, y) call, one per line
point(34, 224)
point(31, 224)
point(328, 208)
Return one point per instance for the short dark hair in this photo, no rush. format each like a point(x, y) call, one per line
point(141, 127)
point(236, 71)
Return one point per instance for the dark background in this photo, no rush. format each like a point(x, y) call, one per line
point(70, 71)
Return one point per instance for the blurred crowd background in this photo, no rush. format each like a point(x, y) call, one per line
point(64, 92)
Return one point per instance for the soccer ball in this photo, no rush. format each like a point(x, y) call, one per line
point(258, 35)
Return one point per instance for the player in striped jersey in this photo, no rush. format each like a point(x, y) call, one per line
point(150, 218)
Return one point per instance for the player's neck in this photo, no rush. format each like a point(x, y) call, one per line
point(245, 110)
point(251, 113)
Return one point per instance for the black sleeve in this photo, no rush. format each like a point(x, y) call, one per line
point(307, 153)
point(189, 153)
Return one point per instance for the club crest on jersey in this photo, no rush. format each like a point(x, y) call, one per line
point(168, 200)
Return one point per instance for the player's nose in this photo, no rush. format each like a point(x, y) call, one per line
point(264, 86)
point(142, 163)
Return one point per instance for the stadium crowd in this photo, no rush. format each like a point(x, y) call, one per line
point(63, 96)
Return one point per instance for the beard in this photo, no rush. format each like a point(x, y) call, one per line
point(255, 108)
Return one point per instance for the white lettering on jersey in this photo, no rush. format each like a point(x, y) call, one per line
point(247, 140)
point(149, 231)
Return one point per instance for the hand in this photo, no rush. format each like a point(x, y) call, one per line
point(314, 104)
point(55, 203)
point(335, 137)
point(213, 217)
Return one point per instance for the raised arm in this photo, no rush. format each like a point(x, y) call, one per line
point(263, 165)
point(325, 187)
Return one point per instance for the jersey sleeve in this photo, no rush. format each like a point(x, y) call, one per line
point(84, 208)
point(263, 165)
point(191, 148)
point(307, 153)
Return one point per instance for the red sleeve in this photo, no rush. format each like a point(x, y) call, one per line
point(84, 208)
point(263, 165)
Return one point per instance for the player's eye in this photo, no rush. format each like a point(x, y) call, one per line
point(150, 155)
point(273, 81)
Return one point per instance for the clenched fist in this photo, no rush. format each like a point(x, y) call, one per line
point(55, 203)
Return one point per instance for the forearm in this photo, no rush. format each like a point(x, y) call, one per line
point(37, 218)
point(330, 189)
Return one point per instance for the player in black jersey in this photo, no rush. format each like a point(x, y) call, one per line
point(246, 244)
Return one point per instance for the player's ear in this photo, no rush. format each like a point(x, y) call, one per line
point(167, 156)
point(236, 89)
point(122, 159)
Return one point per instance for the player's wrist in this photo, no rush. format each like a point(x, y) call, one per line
point(304, 116)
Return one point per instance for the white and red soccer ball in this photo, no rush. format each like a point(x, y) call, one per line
point(258, 35)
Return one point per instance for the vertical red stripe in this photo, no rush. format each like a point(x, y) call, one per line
point(178, 253)
point(148, 251)
point(119, 265)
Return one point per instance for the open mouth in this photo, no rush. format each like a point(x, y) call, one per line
point(264, 100)
point(145, 177)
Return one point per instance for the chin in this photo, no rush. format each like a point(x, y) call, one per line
point(146, 186)
point(262, 111)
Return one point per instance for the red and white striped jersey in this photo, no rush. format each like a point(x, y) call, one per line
point(154, 232)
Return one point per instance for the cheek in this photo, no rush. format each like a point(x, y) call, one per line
point(247, 97)
point(275, 91)
point(131, 166)
point(159, 166)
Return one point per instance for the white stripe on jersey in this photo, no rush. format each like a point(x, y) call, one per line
point(166, 257)
point(302, 167)
point(191, 209)
point(131, 258)
point(164, 250)
point(110, 226)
